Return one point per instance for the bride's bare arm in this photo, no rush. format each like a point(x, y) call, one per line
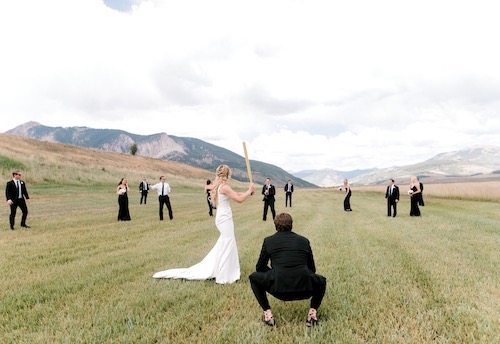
point(237, 196)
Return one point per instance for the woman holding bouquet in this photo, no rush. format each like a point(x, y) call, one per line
point(122, 190)
point(347, 198)
point(414, 193)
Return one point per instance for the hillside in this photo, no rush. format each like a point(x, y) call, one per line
point(55, 163)
point(161, 146)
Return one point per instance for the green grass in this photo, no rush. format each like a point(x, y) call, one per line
point(80, 276)
point(7, 165)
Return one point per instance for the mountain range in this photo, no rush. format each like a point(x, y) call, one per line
point(476, 162)
point(161, 146)
point(471, 163)
point(480, 162)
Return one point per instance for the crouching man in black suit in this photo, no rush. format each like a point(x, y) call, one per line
point(293, 273)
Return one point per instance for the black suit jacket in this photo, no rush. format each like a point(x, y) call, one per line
point(286, 188)
point(142, 189)
point(395, 193)
point(292, 263)
point(272, 192)
point(12, 193)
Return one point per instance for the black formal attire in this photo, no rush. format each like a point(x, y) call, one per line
point(16, 191)
point(392, 195)
point(123, 211)
point(293, 273)
point(414, 210)
point(144, 188)
point(347, 200)
point(288, 194)
point(421, 196)
point(268, 200)
point(210, 206)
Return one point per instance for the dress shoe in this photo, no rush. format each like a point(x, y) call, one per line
point(12, 228)
point(268, 318)
point(25, 226)
point(312, 320)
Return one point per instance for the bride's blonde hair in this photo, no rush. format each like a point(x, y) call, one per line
point(222, 175)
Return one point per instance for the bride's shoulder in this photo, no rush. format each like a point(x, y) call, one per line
point(224, 188)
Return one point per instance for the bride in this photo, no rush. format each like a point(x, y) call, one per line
point(222, 262)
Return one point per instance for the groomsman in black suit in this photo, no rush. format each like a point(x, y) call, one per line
point(292, 275)
point(288, 193)
point(392, 195)
point(268, 191)
point(143, 188)
point(16, 194)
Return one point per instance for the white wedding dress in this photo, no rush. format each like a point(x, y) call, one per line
point(222, 262)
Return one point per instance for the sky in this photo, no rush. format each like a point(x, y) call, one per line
point(307, 85)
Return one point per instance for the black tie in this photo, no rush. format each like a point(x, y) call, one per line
point(162, 189)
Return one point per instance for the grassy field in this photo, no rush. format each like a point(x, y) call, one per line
point(80, 276)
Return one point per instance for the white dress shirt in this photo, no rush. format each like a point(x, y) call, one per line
point(162, 186)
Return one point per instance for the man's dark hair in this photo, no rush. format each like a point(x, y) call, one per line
point(283, 222)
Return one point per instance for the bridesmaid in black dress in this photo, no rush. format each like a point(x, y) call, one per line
point(415, 197)
point(347, 199)
point(122, 191)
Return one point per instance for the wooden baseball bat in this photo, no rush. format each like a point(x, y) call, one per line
point(249, 171)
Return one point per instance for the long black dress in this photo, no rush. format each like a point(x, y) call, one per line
point(347, 200)
point(123, 212)
point(414, 200)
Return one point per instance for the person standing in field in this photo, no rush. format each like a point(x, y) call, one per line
point(268, 190)
point(222, 262)
point(122, 191)
point(392, 196)
point(16, 195)
point(288, 193)
point(208, 189)
point(421, 197)
point(348, 193)
point(414, 196)
point(163, 190)
point(143, 189)
point(292, 275)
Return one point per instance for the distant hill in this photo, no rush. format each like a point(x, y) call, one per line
point(476, 162)
point(471, 163)
point(328, 177)
point(191, 151)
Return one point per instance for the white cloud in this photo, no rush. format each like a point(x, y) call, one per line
point(308, 84)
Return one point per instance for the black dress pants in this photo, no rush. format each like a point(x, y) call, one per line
point(288, 196)
point(269, 204)
point(260, 287)
point(165, 200)
point(21, 203)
